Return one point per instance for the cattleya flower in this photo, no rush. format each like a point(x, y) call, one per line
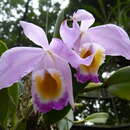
point(91, 44)
point(51, 75)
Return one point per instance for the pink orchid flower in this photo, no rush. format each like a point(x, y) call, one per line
point(91, 44)
point(51, 75)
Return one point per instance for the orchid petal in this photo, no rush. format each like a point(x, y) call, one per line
point(69, 35)
point(48, 106)
point(64, 68)
point(87, 77)
point(53, 64)
point(35, 33)
point(58, 47)
point(16, 63)
point(85, 17)
point(82, 14)
point(113, 38)
point(89, 73)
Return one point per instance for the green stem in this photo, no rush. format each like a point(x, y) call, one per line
point(69, 120)
point(59, 20)
point(78, 122)
point(47, 21)
point(94, 87)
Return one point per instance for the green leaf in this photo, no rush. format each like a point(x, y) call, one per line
point(92, 86)
point(67, 122)
point(4, 104)
point(16, 2)
point(119, 83)
point(100, 117)
point(56, 115)
point(59, 20)
point(8, 104)
point(21, 125)
point(3, 47)
point(121, 90)
point(13, 93)
point(120, 76)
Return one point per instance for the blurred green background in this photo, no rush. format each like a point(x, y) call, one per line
point(44, 13)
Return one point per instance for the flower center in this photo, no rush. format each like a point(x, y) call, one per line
point(49, 86)
point(84, 53)
point(97, 61)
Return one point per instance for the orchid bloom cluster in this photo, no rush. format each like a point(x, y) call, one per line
point(82, 47)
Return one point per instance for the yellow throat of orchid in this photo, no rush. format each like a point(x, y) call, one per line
point(49, 86)
point(96, 62)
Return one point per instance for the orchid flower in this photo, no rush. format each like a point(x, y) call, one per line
point(92, 44)
point(51, 75)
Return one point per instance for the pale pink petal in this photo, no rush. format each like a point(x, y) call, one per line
point(113, 38)
point(64, 68)
point(35, 33)
point(52, 63)
point(58, 47)
point(18, 62)
point(82, 14)
point(85, 17)
point(69, 34)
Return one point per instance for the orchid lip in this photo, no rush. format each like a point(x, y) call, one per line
point(85, 78)
point(89, 72)
point(49, 85)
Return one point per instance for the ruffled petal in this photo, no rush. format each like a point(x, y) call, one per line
point(35, 33)
point(113, 38)
point(16, 63)
point(69, 35)
point(85, 17)
point(82, 14)
point(52, 105)
point(56, 71)
point(90, 72)
point(82, 78)
point(58, 47)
